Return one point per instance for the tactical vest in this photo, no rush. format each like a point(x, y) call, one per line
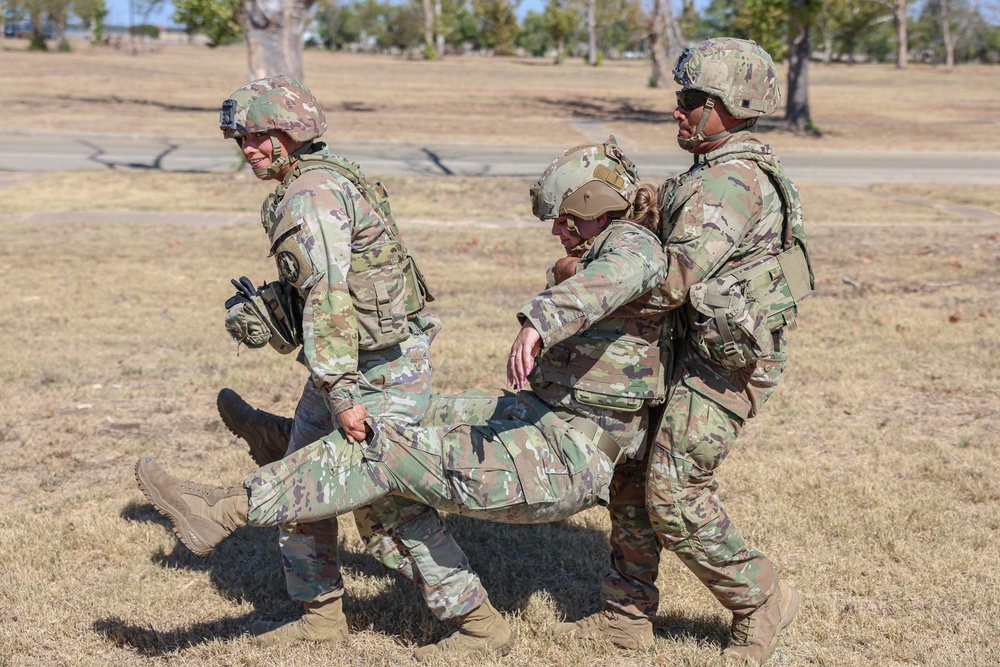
point(737, 309)
point(386, 286)
point(616, 363)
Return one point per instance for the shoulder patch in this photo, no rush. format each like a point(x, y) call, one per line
point(294, 263)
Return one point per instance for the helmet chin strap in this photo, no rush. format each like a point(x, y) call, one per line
point(699, 137)
point(279, 161)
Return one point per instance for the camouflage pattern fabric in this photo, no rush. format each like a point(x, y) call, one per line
point(635, 547)
point(737, 71)
point(605, 307)
point(273, 103)
point(529, 466)
point(323, 217)
point(723, 213)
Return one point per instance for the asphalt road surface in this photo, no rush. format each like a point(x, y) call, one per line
point(41, 153)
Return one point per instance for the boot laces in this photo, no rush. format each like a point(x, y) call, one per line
point(741, 630)
point(602, 621)
point(211, 494)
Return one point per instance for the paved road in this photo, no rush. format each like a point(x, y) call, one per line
point(43, 152)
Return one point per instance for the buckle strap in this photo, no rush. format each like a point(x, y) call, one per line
point(598, 437)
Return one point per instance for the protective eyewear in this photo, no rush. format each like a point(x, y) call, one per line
point(689, 100)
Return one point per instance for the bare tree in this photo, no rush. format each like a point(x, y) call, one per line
point(592, 32)
point(428, 8)
point(898, 8)
point(438, 29)
point(665, 42)
point(274, 36)
point(797, 114)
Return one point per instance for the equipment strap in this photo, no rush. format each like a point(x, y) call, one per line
point(600, 438)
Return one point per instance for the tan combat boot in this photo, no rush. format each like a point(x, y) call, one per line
point(265, 433)
point(483, 629)
point(753, 637)
point(202, 515)
point(621, 630)
point(322, 622)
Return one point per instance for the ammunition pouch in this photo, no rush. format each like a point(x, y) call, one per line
point(386, 289)
point(621, 374)
point(733, 315)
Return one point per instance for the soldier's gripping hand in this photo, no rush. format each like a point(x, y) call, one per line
point(521, 361)
point(352, 420)
point(564, 268)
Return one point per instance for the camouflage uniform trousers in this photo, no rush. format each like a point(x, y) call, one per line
point(405, 536)
point(530, 467)
point(670, 500)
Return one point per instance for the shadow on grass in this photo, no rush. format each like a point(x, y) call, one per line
point(150, 642)
point(697, 629)
point(567, 562)
point(620, 110)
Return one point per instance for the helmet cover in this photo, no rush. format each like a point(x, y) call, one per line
point(737, 71)
point(273, 103)
point(586, 182)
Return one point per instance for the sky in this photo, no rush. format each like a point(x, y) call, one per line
point(118, 11)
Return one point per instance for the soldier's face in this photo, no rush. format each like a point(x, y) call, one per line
point(585, 229)
point(259, 152)
point(687, 125)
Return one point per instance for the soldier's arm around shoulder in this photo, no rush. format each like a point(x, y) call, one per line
point(623, 266)
point(708, 218)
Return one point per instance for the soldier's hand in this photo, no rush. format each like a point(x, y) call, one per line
point(352, 420)
point(564, 268)
point(521, 361)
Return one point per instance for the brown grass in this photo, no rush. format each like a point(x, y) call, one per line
point(869, 477)
point(176, 91)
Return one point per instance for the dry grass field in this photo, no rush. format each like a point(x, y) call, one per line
point(868, 477)
point(176, 91)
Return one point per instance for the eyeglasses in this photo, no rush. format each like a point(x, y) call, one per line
point(689, 100)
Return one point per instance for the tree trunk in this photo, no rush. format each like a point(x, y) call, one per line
point(797, 106)
point(274, 36)
point(665, 41)
point(899, 16)
point(38, 29)
point(438, 29)
point(592, 32)
point(946, 36)
point(428, 24)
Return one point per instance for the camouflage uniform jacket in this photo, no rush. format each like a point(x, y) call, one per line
point(330, 219)
point(604, 301)
point(722, 213)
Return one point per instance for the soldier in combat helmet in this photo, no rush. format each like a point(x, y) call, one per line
point(351, 300)
point(589, 348)
point(732, 228)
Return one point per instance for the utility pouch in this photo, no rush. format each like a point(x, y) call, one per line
point(619, 374)
point(380, 305)
point(777, 284)
point(246, 323)
point(726, 327)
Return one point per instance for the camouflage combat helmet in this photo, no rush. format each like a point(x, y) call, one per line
point(269, 105)
point(739, 72)
point(585, 183)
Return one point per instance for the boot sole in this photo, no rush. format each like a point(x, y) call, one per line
point(180, 526)
point(230, 422)
point(253, 439)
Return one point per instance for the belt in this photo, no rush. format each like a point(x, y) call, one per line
point(597, 435)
